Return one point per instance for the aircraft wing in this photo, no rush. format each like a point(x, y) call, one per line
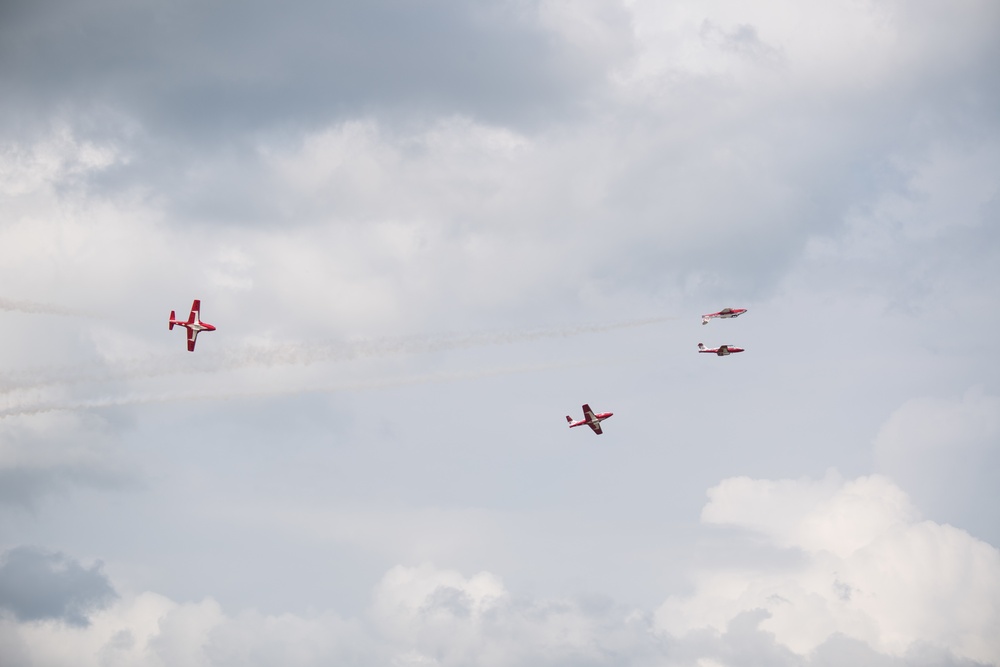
point(192, 338)
point(596, 425)
point(588, 414)
point(195, 311)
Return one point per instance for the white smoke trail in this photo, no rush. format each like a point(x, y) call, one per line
point(384, 383)
point(293, 354)
point(304, 354)
point(38, 308)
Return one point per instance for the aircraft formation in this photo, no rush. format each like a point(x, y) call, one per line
point(593, 420)
point(194, 326)
point(724, 314)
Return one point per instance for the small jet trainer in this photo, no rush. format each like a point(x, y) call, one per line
point(725, 314)
point(722, 350)
point(193, 324)
point(590, 419)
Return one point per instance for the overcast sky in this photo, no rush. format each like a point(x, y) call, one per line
point(427, 231)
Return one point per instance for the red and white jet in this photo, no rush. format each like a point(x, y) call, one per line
point(724, 314)
point(590, 419)
point(194, 325)
point(722, 350)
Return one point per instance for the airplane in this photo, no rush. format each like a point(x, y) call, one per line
point(590, 419)
point(193, 324)
point(725, 314)
point(722, 350)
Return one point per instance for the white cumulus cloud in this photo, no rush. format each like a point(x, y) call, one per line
point(868, 569)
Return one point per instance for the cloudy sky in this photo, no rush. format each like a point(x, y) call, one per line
point(427, 230)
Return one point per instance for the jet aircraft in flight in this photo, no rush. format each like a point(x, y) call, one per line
point(590, 419)
point(194, 325)
point(722, 350)
point(724, 314)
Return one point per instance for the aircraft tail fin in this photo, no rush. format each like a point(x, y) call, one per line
point(701, 346)
point(704, 319)
point(173, 317)
point(569, 419)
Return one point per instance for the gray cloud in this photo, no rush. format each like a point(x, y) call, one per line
point(744, 644)
point(24, 487)
point(450, 625)
point(189, 88)
point(45, 457)
point(839, 650)
point(204, 71)
point(38, 585)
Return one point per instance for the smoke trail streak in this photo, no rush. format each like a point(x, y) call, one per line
point(310, 353)
point(387, 383)
point(295, 354)
point(10, 305)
